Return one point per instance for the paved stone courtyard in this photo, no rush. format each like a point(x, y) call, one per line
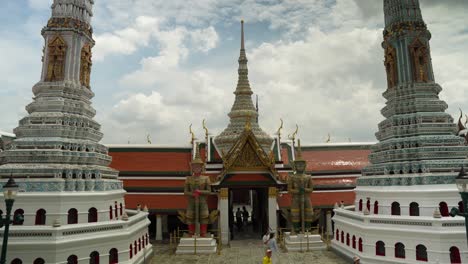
point(243, 252)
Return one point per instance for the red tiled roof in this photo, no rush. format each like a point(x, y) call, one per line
point(163, 201)
point(336, 160)
point(325, 199)
point(150, 161)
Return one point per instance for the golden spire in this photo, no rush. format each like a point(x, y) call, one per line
point(205, 128)
point(299, 151)
point(293, 136)
point(278, 132)
point(192, 139)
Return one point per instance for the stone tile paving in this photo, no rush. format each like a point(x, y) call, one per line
point(243, 252)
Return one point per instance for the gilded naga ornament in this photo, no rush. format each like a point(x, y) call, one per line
point(197, 188)
point(57, 49)
point(300, 187)
point(85, 67)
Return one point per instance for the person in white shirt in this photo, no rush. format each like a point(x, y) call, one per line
point(265, 239)
point(273, 246)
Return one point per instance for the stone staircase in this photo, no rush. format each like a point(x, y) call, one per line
point(197, 245)
point(303, 242)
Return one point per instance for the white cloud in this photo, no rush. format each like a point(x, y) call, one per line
point(127, 40)
point(312, 62)
point(204, 39)
point(40, 4)
point(327, 79)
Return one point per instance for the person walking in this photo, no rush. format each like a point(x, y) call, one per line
point(245, 215)
point(265, 239)
point(239, 219)
point(267, 257)
point(273, 246)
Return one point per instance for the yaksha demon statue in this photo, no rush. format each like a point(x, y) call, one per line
point(300, 187)
point(197, 188)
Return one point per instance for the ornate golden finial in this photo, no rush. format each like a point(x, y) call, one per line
point(293, 136)
point(460, 124)
point(205, 128)
point(191, 134)
point(148, 138)
point(278, 132)
point(328, 138)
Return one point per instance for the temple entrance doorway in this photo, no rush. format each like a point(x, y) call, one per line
point(248, 209)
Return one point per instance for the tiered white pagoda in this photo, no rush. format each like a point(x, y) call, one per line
point(72, 202)
point(403, 198)
point(243, 111)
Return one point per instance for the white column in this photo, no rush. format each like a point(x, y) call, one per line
point(159, 228)
point(272, 205)
point(223, 206)
point(329, 224)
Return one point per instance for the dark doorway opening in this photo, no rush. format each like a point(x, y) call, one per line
point(248, 213)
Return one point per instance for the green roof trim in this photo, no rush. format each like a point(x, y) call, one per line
point(330, 147)
point(247, 183)
point(154, 189)
point(153, 173)
point(155, 149)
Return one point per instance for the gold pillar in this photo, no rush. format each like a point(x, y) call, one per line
point(272, 191)
point(223, 193)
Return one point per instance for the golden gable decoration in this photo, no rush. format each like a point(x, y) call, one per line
point(247, 155)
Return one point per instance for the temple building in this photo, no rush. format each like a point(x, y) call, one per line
point(70, 207)
point(83, 201)
point(403, 198)
point(247, 167)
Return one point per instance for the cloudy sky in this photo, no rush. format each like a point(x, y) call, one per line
point(160, 65)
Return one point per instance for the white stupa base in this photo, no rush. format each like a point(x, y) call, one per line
point(303, 242)
point(197, 245)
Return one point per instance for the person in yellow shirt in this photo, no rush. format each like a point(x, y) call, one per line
point(267, 257)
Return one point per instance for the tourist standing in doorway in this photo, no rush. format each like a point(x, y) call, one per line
point(239, 219)
point(245, 216)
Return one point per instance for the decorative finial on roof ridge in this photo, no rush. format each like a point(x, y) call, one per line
point(293, 136)
point(192, 135)
point(278, 132)
point(460, 124)
point(205, 128)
